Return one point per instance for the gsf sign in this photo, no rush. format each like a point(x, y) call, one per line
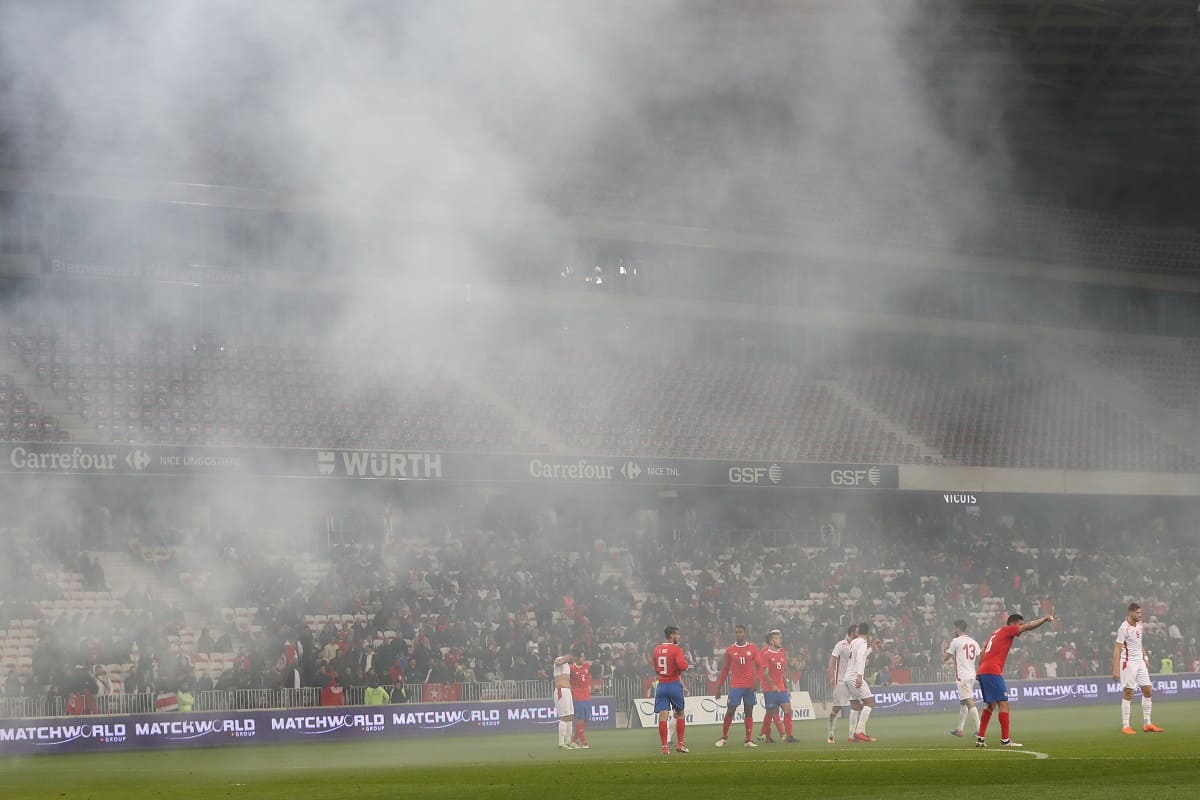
point(754, 475)
point(854, 477)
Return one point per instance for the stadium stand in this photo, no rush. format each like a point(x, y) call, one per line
point(180, 389)
point(484, 609)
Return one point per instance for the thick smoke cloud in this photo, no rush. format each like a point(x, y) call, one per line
point(816, 119)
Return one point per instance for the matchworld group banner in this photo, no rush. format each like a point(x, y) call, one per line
point(1057, 692)
point(49, 458)
point(709, 710)
point(235, 728)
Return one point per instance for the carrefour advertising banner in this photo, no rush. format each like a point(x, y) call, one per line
point(170, 730)
point(914, 697)
point(55, 458)
point(709, 710)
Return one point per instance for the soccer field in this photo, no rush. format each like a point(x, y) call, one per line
point(1069, 753)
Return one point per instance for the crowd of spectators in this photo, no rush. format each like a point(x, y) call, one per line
point(466, 605)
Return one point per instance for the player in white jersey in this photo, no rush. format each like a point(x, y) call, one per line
point(564, 703)
point(963, 650)
point(839, 660)
point(856, 680)
point(1131, 669)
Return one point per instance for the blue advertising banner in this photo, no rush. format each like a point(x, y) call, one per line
point(283, 726)
point(915, 698)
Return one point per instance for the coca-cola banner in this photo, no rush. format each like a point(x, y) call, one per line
point(281, 726)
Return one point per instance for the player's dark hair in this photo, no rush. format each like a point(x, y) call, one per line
point(1013, 619)
point(670, 629)
point(743, 627)
point(581, 652)
point(1135, 606)
point(960, 625)
point(864, 628)
point(852, 629)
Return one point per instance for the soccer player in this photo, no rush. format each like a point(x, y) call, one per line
point(776, 698)
point(581, 692)
point(1129, 667)
point(991, 675)
point(564, 704)
point(856, 680)
point(669, 663)
point(963, 650)
point(743, 662)
point(839, 660)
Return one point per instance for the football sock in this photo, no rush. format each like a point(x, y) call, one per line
point(1004, 725)
point(975, 716)
point(662, 731)
point(725, 723)
point(984, 719)
point(1125, 704)
point(766, 726)
point(962, 718)
point(564, 732)
point(787, 725)
point(1147, 702)
point(678, 731)
point(863, 716)
point(749, 726)
point(854, 720)
point(832, 723)
point(582, 731)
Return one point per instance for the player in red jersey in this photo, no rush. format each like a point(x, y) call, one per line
point(743, 662)
point(991, 675)
point(581, 693)
point(776, 698)
point(668, 663)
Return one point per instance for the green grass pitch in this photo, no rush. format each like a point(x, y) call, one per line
point(1069, 753)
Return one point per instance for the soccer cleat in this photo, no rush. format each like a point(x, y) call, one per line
point(1010, 743)
point(720, 742)
point(830, 740)
point(749, 743)
point(862, 737)
point(957, 733)
point(682, 748)
point(666, 750)
point(1150, 727)
point(791, 740)
point(1128, 731)
point(979, 742)
point(584, 746)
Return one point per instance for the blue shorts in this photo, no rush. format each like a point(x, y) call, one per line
point(776, 699)
point(993, 688)
point(741, 697)
point(668, 696)
point(583, 709)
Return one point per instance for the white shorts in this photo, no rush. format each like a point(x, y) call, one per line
point(841, 698)
point(1135, 676)
point(966, 689)
point(564, 704)
point(857, 692)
